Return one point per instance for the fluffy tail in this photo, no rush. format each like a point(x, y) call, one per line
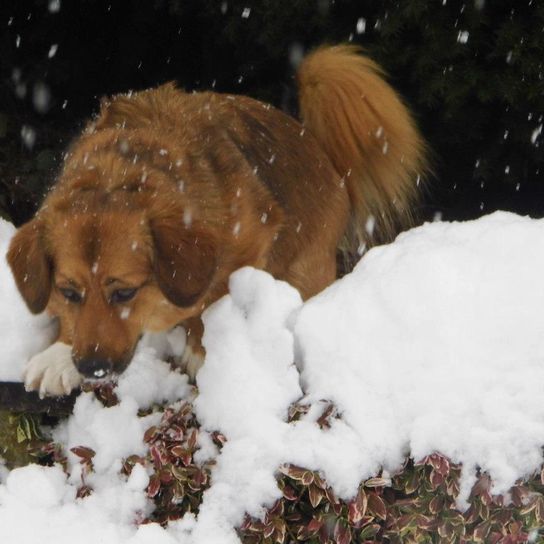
point(370, 137)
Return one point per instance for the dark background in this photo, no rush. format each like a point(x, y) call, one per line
point(471, 71)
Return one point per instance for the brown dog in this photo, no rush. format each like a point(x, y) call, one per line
point(167, 193)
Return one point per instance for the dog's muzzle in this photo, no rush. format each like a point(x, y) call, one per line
point(95, 367)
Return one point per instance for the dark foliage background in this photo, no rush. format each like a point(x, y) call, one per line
point(472, 72)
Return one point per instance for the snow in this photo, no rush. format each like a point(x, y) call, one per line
point(432, 343)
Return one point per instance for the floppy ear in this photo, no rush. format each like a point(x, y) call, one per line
point(185, 260)
point(30, 266)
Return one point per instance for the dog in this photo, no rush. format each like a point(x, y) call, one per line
point(166, 193)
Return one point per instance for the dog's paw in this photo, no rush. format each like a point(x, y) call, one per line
point(191, 361)
point(52, 372)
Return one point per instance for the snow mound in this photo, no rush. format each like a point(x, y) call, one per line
point(434, 343)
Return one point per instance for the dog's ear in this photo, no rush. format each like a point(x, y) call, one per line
point(31, 266)
point(185, 259)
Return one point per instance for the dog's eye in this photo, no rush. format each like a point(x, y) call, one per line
point(71, 295)
point(122, 295)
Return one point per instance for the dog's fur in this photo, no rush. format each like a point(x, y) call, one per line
point(168, 193)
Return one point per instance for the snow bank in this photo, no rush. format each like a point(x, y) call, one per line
point(22, 334)
point(433, 343)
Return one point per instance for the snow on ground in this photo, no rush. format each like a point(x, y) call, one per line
point(433, 343)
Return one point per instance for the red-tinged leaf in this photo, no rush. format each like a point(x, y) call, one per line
point(294, 472)
point(482, 485)
point(472, 514)
point(180, 474)
point(376, 506)
point(362, 500)
point(314, 526)
point(539, 510)
point(280, 532)
point(151, 434)
point(153, 487)
point(515, 527)
point(369, 532)
point(377, 482)
point(175, 433)
point(193, 437)
point(519, 495)
point(412, 483)
point(436, 479)
point(439, 463)
point(486, 498)
point(289, 493)
point(268, 530)
point(357, 509)
point(165, 476)
point(425, 523)
point(445, 530)
point(219, 439)
point(331, 496)
point(404, 522)
point(276, 510)
point(193, 484)
point(502, 516)
point(423, 461)
point(319, 481)
point(305, 532)
point(256, 526)
point(436, 505)
point(84, 491)
point(156, 456)
point(452, 487)
point(307, 478)
point(342, 534)
point(293, 517)
point(178, 451)
point(245, 524)
point(520, 538)
point(494, 538)
point(83, 452)
point(324, 419)
point(484, 512)
point(315, 494)
point(354, 514)
point(481, 531)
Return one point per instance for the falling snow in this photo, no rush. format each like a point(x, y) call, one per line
point(54, 6)
point(535, 134)
point(361, 25)
point(41, 97)
point(52, 51)
point(462, 36)
point(28, 135)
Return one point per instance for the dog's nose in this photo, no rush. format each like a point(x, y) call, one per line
point(94, 367)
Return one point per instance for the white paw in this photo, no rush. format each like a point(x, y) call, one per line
point(52, 371)
point(191, 362)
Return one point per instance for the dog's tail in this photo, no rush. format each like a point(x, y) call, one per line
point(370, 137)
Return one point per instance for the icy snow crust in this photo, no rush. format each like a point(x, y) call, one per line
point(433, 343)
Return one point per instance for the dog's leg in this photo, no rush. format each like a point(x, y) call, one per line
point(193, 355)
point(52, 371)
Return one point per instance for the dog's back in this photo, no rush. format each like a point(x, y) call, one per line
point(347, 176)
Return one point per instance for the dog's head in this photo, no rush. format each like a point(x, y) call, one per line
point(110, 272)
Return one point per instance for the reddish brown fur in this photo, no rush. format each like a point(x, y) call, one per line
point(170, 192)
